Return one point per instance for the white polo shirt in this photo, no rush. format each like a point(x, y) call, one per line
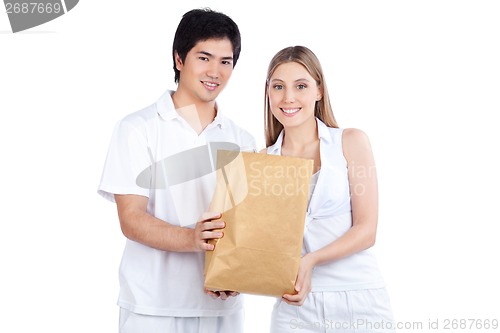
point(155, 153)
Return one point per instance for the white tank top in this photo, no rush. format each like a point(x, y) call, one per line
point(314, 180)
point(329, 217)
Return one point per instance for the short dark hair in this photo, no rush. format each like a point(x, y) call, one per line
point(200, 25)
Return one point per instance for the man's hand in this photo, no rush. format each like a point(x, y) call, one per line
point(207, 229)
point(222, 294)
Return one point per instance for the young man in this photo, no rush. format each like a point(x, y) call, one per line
point(156, 172)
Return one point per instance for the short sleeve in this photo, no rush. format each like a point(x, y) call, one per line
point(248, 142)
point(128, 156)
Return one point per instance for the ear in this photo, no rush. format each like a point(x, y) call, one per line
point(320, 95)
point(178, 61)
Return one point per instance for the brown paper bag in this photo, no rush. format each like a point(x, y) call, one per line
point(263, 199)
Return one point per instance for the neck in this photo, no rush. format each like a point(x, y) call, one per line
point(300, 137)
point(198, 114)
point(303, 141)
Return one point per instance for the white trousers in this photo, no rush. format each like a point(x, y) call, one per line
point(131, 322)
point(353, 311)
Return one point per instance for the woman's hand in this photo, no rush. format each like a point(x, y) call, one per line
point(303, 283)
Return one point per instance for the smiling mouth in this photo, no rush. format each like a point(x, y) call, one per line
point(210, 85)
point(291, 111)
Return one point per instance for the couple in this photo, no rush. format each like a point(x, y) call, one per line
point(161, 273)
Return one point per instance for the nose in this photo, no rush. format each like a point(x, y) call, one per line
point(289, 96)
point(213, 70)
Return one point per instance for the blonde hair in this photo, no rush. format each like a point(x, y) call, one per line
point(322, 110)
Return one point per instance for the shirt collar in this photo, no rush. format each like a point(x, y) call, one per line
point(323, 134)
point(323, 131)
point(166, 109)
point(275, 149)
point(220, 120)
point(165, 106)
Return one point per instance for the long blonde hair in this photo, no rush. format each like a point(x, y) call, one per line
point(323, 109)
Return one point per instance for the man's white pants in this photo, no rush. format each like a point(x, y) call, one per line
point(131, 322)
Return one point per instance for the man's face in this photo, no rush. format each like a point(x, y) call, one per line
point(206, 69)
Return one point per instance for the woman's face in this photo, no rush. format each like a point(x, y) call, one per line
point(292, 94)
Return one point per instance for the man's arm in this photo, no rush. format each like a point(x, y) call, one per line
point(140, 226)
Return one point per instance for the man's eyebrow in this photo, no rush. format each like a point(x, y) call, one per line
point(210, 55)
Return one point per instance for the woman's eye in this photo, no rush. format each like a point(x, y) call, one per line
point(302, 86)
point(278, 87)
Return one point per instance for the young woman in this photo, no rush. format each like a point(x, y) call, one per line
point(339, 285)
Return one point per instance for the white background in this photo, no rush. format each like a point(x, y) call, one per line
point(421, 78)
